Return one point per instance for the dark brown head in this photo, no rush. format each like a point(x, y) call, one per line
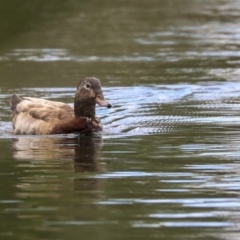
point(89, 92)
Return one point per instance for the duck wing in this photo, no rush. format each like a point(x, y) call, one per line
point(38, 116)
point(46, 110)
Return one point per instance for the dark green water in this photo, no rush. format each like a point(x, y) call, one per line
point(167, 164)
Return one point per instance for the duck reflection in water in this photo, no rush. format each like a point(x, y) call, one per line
point(84, 150)
point(54, 153)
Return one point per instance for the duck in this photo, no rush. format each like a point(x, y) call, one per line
point(36, 116)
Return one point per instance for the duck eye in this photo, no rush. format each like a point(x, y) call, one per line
point(88, 85)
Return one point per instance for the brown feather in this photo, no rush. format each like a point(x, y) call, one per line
point(82, 125)
point(40, 116)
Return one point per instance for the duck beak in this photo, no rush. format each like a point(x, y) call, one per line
point(100, 100)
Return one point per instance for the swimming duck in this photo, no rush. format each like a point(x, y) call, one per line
point(35, 116)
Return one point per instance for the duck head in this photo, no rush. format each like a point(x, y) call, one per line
point(89, 92)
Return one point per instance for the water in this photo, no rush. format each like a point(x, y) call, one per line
point(167, 163)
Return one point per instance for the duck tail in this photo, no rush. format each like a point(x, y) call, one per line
point(15, 100)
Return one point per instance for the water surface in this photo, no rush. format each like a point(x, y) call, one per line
point(167, 163)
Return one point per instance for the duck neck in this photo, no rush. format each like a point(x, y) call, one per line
point(84, 109)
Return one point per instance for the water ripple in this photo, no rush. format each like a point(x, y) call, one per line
point(153, 108)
